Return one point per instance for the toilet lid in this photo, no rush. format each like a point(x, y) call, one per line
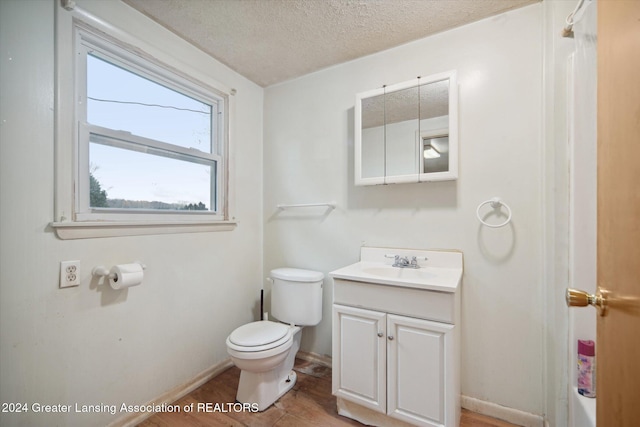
point(259, 333)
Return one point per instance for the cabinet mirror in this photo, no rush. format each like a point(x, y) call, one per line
point(407, 132)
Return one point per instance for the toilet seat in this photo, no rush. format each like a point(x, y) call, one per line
point(259, 336)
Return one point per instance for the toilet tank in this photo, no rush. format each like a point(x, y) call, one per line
point(296, 296)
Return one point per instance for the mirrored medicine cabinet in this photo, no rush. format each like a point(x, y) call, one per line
point(407, 132)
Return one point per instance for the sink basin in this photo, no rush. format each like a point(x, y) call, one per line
point(400, 273)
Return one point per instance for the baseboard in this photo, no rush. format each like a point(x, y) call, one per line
point(174, 394)
point(314, 358)
point(494, 410)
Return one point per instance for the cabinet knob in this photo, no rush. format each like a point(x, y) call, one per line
point(380, 334)
point(390, 337)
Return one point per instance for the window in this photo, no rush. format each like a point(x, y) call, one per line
point(149, 142)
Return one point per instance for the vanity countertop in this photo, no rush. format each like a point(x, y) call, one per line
point(441, 271)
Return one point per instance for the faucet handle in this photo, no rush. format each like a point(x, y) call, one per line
point(414, 261)
point(392, 256)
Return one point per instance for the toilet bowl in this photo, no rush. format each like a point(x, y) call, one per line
point(265, 351)
point(266, 368)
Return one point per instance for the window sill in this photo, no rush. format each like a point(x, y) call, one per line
point(94, 229)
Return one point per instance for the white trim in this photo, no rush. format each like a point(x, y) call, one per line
point(91, 229)
point(494, 410)
point(174, 394)
point(126, 140)
point(89, 42)
point(452, 132)
point(77, 27)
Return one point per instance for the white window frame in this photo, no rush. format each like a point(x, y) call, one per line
point(88, 43)
point(74, 217)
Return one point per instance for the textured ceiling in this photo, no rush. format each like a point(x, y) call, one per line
point(270, 41)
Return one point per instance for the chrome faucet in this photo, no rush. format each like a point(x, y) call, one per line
point(403, 262)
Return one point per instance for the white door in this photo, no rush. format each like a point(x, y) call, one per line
point(417, 364)
point(359, 356)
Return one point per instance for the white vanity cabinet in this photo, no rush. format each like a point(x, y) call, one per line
point(392, 364)
point(396, 352)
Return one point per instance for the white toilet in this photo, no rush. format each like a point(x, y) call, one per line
point(265, 351)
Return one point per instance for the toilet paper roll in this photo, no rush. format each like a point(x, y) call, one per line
point(125, 275)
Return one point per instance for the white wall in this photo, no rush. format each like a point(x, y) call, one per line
point(98, 346)
point(308, 157)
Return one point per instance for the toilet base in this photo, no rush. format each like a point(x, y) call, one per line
point(263, 389)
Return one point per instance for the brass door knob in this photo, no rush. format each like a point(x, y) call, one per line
point(578, 298)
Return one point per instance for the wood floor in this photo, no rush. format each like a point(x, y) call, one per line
point(308, 404)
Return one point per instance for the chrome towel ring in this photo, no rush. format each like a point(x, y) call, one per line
point(496, 204)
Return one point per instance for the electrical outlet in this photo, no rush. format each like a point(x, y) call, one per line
point(69, 273)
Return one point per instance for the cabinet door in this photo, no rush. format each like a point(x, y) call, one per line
point(418, 352)
point(359, 356)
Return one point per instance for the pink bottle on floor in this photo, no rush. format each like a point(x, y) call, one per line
point(587, 368)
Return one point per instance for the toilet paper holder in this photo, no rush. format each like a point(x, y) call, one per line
point(102, 271)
